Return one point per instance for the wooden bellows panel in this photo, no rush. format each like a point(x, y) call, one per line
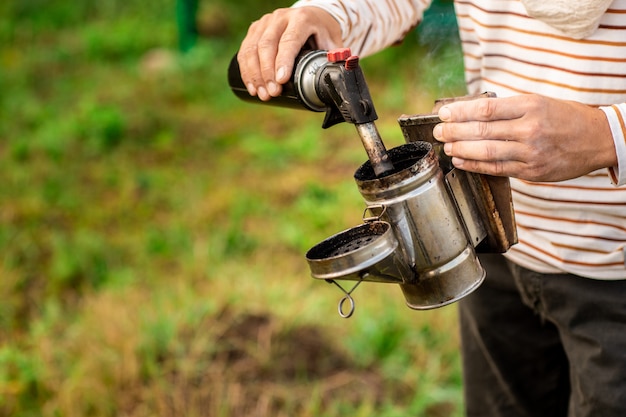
point(492, 194)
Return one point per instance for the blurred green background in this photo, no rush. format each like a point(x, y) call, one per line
point(153, 227)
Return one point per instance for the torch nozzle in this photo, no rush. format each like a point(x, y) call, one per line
point(375, 148)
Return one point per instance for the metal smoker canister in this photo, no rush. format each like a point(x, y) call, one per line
point(427, 225)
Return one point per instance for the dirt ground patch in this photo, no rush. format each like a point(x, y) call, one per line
point(256, 366)
point(270, 370)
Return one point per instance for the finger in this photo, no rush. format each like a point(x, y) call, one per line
point(485, 150)
point(496, 168)
point(290, 44)
point(483, 109)
point(268, 49)
point(248, 59)
point(474, 131)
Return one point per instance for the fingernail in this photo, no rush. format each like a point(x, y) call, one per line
point(272, 87)
point(444, 113)
point(447, 148)
point(251, 89)
point(280, 74)
point(262, 92)
point(437, 131)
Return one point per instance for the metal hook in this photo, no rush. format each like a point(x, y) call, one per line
point(374, 217)
point(347, 297)
point(340, 306)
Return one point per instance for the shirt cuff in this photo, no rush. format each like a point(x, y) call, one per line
point(616, 115)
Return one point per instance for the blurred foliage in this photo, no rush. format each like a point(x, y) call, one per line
point(152, 226)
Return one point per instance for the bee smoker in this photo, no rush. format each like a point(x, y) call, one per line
point(424, 220)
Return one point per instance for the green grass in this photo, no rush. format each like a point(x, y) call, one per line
point(153, 229)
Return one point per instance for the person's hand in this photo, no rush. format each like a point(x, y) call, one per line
point(528, 136)
point(267, 53)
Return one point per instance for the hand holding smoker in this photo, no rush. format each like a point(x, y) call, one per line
point(424, 219)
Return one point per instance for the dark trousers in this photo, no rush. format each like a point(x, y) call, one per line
point(537, 345)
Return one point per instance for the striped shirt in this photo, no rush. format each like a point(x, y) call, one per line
point(576, 226)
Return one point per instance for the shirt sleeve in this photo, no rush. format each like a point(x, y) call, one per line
point(367, 26)
point(616, 115)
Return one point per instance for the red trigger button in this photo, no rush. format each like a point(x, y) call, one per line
point(339, 54)
point(352, 62)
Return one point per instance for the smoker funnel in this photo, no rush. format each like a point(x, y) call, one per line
point(368, 252)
